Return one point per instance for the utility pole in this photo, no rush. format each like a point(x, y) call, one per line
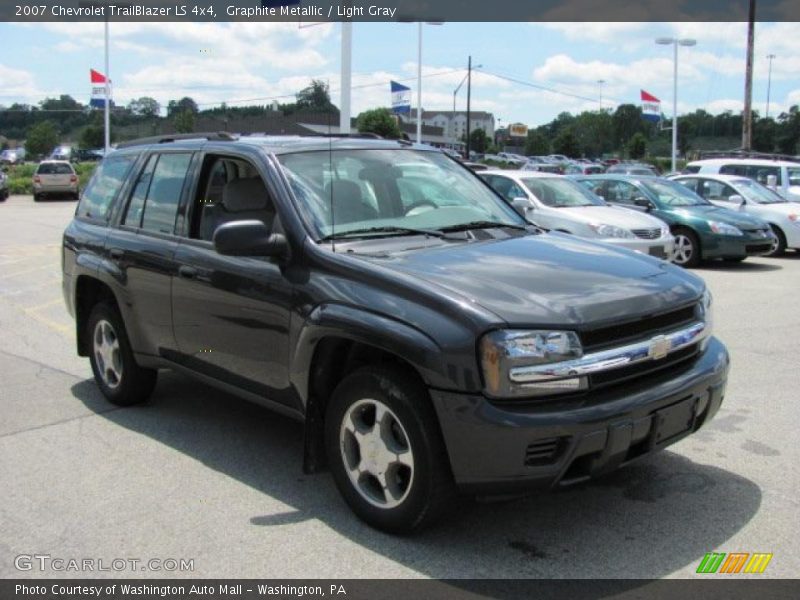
point(769, 81)
point(107, 111)
point(600, 83)
point(469, 95)
point(747, 115)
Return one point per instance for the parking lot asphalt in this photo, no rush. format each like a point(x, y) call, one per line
point(198, 474)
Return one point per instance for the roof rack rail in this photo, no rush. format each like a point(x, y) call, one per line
point(739, 153)
point(218, 136)
point(365, 135)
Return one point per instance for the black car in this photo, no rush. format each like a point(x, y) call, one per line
point(428, 337)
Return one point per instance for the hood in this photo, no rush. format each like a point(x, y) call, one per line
point(726, 215)
point(550, 279)
point(611, 215)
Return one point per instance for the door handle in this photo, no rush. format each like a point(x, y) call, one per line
point(116, 253)
point(187, 272)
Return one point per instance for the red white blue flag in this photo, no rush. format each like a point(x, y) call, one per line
point(651, 107)
point(98, 80)
point(401, 98)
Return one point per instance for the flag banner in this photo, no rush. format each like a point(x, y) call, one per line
point(651, 107)
point(401, 98)
point(98, 81)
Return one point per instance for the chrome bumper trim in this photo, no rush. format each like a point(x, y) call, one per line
point(655, 348)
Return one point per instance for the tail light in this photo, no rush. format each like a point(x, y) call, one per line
point(73, 179)
point(37, 179)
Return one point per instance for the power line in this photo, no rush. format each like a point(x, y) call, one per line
point(545, 88)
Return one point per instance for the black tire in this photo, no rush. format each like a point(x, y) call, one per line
point(37, 197)
point(780, 248)
point(134, 384)
point(429, 485)
point(687, 257)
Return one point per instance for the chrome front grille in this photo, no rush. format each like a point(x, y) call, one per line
point(647, 234)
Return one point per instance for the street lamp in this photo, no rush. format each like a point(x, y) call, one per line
point(675, 42)
point(419, 76)
point(769, 81)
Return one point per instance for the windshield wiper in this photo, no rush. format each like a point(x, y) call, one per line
point(390, 229)
point(483, 225)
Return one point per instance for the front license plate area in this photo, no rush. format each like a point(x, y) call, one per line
point(674, 421)
point(657, 251)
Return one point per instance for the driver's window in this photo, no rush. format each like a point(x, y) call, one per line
point(621, 192)
point(716, 190)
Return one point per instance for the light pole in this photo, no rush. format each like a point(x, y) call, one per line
point(769, 80)
point(675, 42)
point(346, 77)
point(419, 76)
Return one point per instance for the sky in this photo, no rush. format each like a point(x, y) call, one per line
point(254, 63)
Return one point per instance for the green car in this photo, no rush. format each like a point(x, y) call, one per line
point(701, 229)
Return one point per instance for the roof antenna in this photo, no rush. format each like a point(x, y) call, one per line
point(331, 170)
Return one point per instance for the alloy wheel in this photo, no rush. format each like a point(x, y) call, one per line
point(107, 353)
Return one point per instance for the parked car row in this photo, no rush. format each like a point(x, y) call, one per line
point(656, 216)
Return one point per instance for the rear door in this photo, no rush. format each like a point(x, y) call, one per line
point(142, 249)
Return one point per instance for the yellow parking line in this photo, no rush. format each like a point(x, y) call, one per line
point(45, 305)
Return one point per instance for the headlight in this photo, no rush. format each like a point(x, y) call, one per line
point(610, 231)
point(708, 316)
point(724, 228)
point(665, 232)
point(505, 353)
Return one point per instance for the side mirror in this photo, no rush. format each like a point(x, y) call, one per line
point(644, 203)
point(523, 206)
point(249, 238)
point(737, 198)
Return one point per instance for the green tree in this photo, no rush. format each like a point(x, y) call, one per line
point(379, 121)
point(184, 104)
point(184, 122)
point(637, 145)
point(315, 97)
point(478, 140)
point(567, 144)
point(536, 143)
point(145, 107)
point(627, 121)
point(93, 136)
point(41, 138)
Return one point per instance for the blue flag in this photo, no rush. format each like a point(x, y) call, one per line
point(401, 98)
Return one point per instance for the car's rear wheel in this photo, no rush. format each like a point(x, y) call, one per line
point(385, 449)
point(37, 197)
point(687, 248)
point(122, 381)
point(779, 243)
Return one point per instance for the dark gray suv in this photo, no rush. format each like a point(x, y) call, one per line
point(431, 341)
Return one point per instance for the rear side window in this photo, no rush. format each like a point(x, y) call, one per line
point(154, 204)
point(55, 169)
point(104, 186)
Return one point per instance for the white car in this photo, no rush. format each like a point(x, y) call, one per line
point(561, 204)
point(786, 173)
point(737, 192)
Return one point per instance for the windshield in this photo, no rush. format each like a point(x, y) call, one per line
point(755, 192)
point(793, 173)
point(378, 192)
point(560, 193)
point(671, 193)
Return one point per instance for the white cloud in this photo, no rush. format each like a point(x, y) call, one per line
point(18, 83)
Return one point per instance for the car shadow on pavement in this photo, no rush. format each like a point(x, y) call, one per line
point(745, 266)
point(644, 521)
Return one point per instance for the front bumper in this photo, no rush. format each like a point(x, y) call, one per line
point(736, 246)
point(497, 448)
point(660, 247)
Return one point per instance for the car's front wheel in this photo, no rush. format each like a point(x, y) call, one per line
point(385, 449)
point(687, 248)
point(122, 381)
point(779, 243)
